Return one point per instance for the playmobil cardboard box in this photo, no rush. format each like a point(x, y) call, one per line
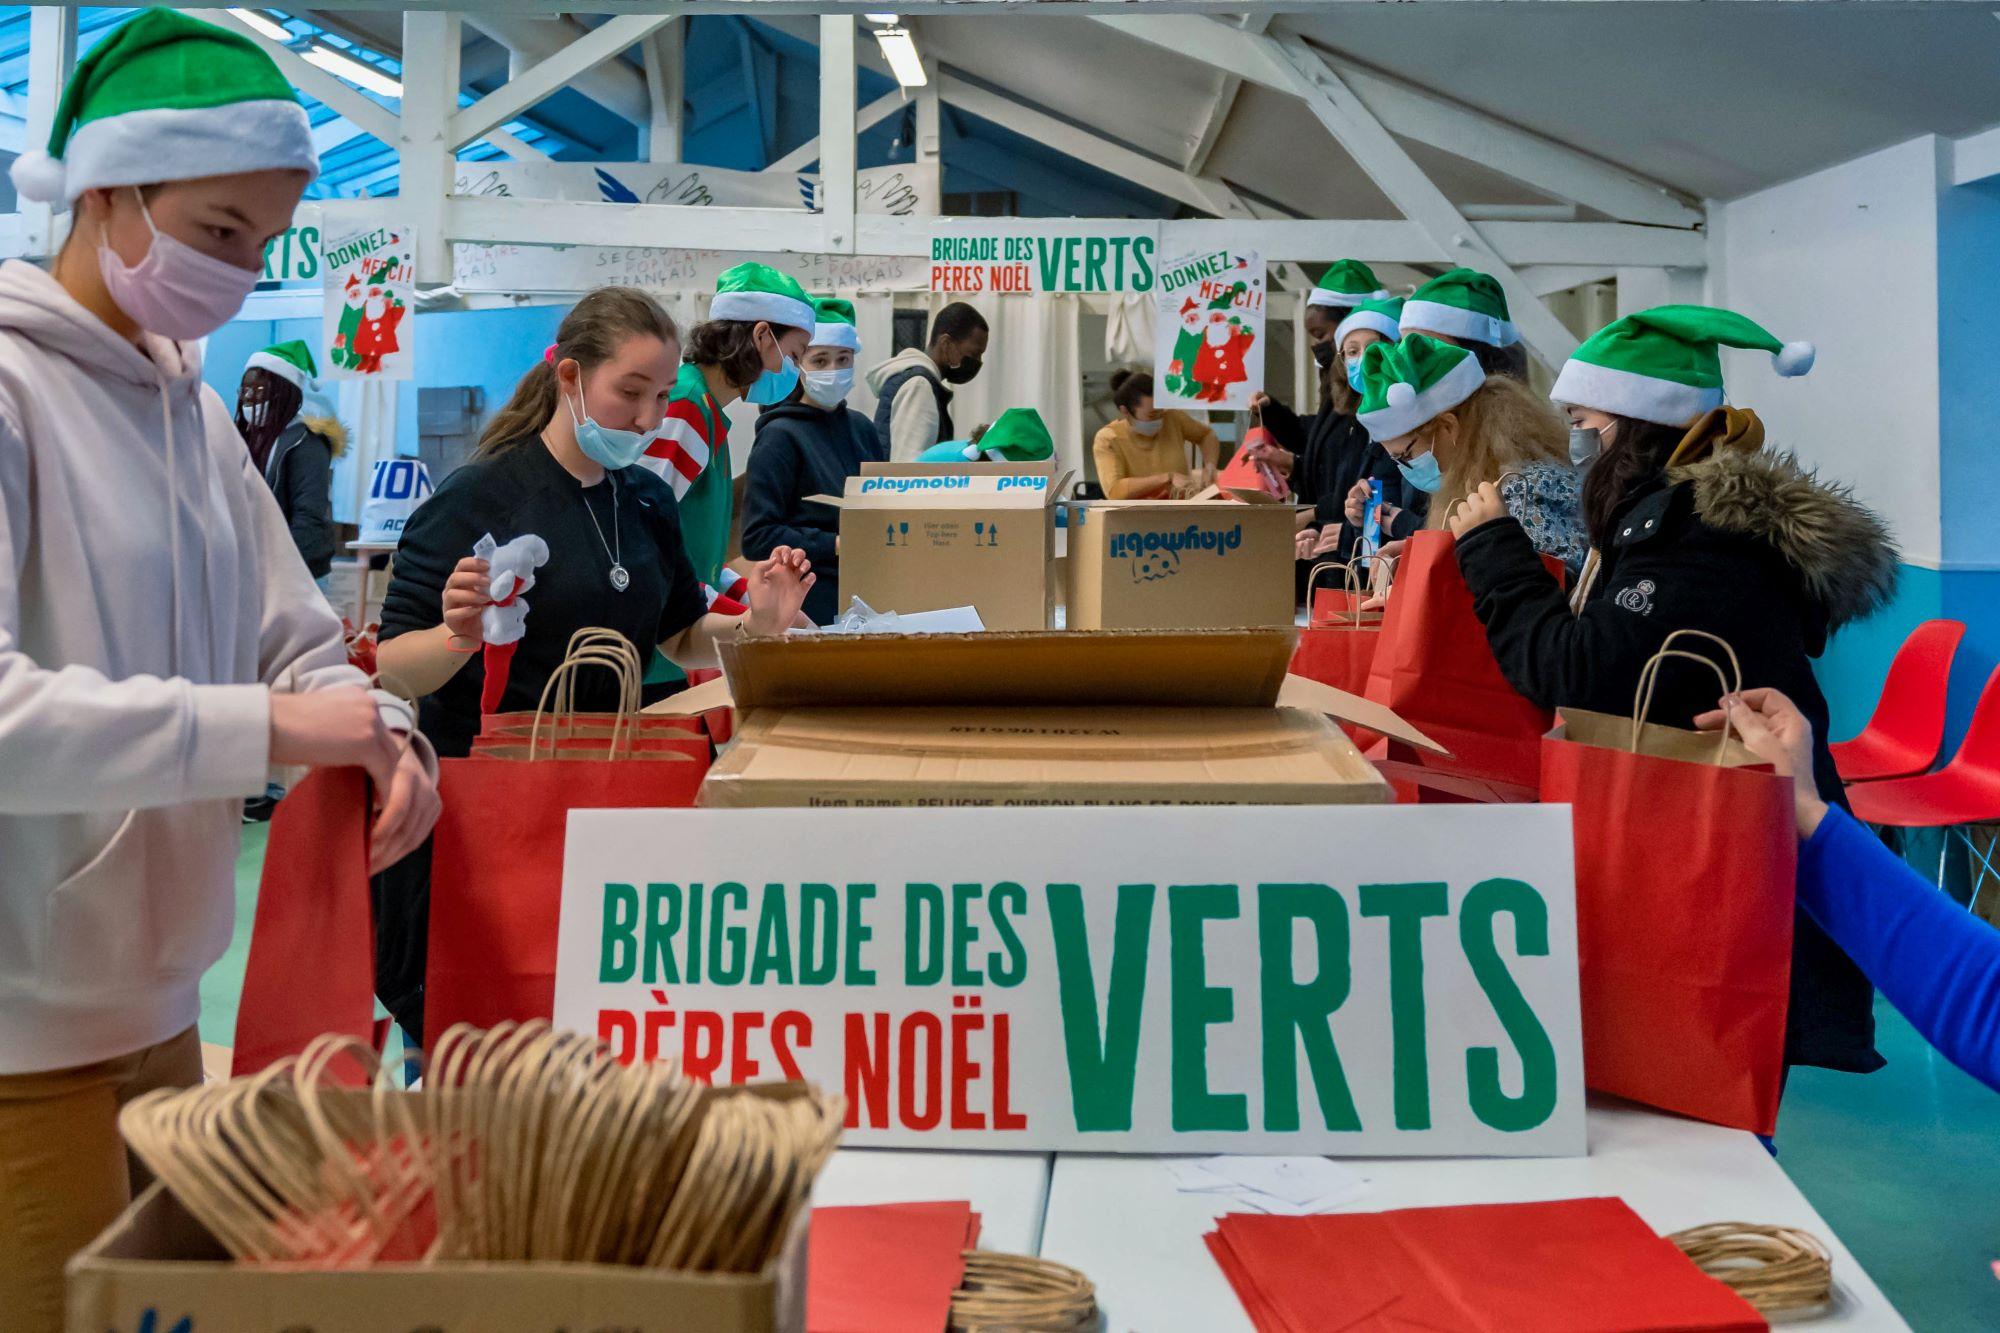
point(1057, 717)
point(969, 524)
point(1180, 564)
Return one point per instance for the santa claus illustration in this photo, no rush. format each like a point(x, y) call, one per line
point(1180, 370)
point(381, 313)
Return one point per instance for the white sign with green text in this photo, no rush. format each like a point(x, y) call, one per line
point(1365, 981)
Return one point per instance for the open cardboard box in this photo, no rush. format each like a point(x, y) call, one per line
point(1034, 718)
point(1180, 564)
point(156, 1257)
point(928, 536)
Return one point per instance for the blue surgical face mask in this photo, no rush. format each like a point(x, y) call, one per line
point(1422, 472)
point(774, 386)
point(604, 446)
point(1147, 428)
point(828, 388)
point(1354, 374)
point(1585, 444)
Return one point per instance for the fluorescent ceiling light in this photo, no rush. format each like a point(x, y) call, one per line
point(276, 31)
point(900, 50)
point(882, 20)
point(354, 71)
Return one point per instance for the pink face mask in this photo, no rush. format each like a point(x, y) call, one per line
point(176, 291)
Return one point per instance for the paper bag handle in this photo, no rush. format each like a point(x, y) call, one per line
point(1732, 683)
point(561, 679)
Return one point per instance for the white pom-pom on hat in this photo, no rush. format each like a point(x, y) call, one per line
point(971, 452)
point(38, 177)
point(1401, 394)
point(1794, 359)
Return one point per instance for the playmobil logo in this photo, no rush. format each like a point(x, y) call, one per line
point(1135, 544)
point(1034, 483)
point(902, 484)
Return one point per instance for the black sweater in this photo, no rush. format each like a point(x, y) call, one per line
point(300, 473)
point(803, 450)
point(1748, 548)
point(523, 489)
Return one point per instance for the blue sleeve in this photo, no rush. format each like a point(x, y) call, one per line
point(1936, 962)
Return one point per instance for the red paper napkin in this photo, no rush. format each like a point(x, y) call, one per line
point(1570, 1266)
point(886, 1267)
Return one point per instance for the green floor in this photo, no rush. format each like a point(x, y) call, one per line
point(1904, 1164)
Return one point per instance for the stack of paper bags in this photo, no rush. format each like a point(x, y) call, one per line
point(888, 1267)
point(1571, 1266)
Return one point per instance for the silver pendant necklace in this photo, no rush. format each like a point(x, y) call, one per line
point(615, 548)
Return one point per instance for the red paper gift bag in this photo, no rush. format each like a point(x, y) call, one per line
point(496, 872)
point(1686, 861)
point(311, 967)
point(1337, 648)
point(1434, 667)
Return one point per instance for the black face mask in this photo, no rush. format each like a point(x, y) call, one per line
point(963, 371)
point(1322, 354)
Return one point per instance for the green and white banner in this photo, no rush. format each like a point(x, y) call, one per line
point(1368, 981)
point(1020, 257)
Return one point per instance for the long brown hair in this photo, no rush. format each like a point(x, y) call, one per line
point(1638, 450)
point(590, 335)
point(1502, 427)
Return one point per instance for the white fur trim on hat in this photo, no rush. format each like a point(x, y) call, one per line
point(764, 307)
point(170, 144)
point(1626, 393)
point(1405, 414)
point(1366, 319)
point(1457, 322)
point(282, 368)
point(1333, 300)
point(837, 334)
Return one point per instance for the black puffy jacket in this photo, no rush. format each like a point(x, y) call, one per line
point(802, 450)
point(1751, 548)
point(299, 471)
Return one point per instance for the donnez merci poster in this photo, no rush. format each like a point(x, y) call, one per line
point(1369, 981)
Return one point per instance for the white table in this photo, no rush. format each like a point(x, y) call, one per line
point(1120, 1220)
point(1010, 1191)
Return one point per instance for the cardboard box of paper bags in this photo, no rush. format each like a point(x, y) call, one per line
point(929, 536)
point(1035, 718)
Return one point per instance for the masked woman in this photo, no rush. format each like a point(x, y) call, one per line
point(1738, 542)
point(293, 438)
point(161, 643)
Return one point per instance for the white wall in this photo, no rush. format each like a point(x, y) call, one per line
point(1847, 259)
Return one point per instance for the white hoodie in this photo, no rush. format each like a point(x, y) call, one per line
point(150, 599)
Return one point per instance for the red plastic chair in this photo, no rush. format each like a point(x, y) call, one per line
point(1964, 792)
point(1904, 735)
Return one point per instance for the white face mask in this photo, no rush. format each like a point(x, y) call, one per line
point(1148, 428)
point(828, 388)
point(176, 291)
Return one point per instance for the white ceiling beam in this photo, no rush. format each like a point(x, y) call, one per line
point(1548, 279)
point(615, 86)
point(500, 220)
point(586, 53)
point(425, 154)
point(665, 58)
point(1556, 168)
point(1225, 102)
point(1415, 195)
point(51, 60)
point(868, 116)
point(333, 134)
point(514, 146)
point(347, 101)
point(1975, 157)
point(837, 129)
point(1519, 212)
point(1397, 241)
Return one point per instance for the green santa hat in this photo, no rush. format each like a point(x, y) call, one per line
point(1385, 317)
point(833, 324)
point(1661, 365)
point(1405, 384)
point(758, 293)
point(1462, 303)
point(290, 361)
point(166, 97)
point(1347, 282)
point(1017, 436)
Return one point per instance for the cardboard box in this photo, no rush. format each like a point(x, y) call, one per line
point(925, 537)
point(1180, 564)
point(157, 1257)
point(1049, 718)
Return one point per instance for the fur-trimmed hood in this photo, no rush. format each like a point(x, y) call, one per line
point(1841, 549)
point(329, 428)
